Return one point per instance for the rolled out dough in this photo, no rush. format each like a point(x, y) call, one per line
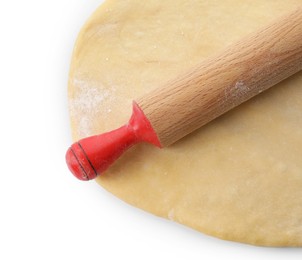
point(238, 178)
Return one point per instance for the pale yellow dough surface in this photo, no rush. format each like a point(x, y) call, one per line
point(238, 178)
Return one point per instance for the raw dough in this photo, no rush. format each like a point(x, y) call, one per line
point(238, 178)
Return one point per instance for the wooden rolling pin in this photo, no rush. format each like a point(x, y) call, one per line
point(193, 99)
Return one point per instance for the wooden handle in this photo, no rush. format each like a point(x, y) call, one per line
point(218, 84)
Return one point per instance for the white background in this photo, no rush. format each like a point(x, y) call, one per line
point(45, 213)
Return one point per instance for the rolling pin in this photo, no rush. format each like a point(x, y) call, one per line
point(191, 100)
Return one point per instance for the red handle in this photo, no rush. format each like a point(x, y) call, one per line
point(91, 156)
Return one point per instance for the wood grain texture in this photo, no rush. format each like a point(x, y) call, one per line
point(226, 80)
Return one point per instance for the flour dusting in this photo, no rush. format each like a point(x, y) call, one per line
point(88, 102)
point(237, 92)
point(240, 89)
point(171, 214)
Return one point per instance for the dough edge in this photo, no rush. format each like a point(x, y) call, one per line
point(171, 213)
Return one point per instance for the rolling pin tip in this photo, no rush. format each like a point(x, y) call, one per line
point(78, 165)
point(91, 156)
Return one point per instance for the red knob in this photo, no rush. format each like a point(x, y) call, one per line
point(91, 156)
